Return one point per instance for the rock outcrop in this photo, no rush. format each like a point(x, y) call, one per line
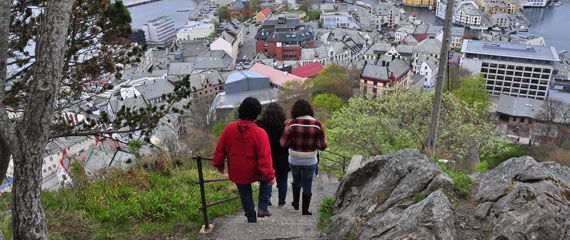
point(384, 199)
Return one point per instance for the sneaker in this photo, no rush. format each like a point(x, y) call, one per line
point(281, 205)
point(261, 213)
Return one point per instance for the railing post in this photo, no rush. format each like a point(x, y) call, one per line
point(206, 227)
point(343, 165)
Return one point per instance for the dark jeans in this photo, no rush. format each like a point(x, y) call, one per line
point(303, 176)
point(246, 197)
point(281, 180)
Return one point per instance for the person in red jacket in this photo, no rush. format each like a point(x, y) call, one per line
point(247, 148)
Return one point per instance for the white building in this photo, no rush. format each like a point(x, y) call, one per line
point(457, 34)
point(534, 3)
point(511, 69)
point(385, 15)
point(468, 14)
point(195, 30)
point(428, 69)
point(338, 20)
point(227, 42)
point(404, 31)
point(159, 30)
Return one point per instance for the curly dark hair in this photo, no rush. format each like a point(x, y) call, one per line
point(249, 109)
point(301, 108)
point(273, 114)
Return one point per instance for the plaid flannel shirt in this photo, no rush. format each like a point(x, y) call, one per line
point(304, 135)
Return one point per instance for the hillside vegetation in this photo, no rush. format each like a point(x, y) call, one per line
point(148, 203)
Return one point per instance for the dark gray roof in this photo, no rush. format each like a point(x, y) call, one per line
point(154, 88)
point(379, 47)
point(197, 79)
point(377, 72)
point(289, 23)
point(520, 107)
point(228, 37)
point(513, 50)
point(238, 5)
point(297, 36)
point(428, 45)
point(421, 29)
point(215, 59)
point(383, 9)
point(434, 30)
point(457, 31)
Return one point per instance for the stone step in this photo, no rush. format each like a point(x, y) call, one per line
point(262, 231)
point(332, 178)
point(324, 177)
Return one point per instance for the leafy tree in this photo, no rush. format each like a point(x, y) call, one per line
point(330, 101)
point(369, 127)
point(473, 92)
point(77, 43)
point(333, 79)
point(455, 77)
point(223, 14)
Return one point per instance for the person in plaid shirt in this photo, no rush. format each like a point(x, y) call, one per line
point(304, 135)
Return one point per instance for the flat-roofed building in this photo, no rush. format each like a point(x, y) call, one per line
point(511, 69)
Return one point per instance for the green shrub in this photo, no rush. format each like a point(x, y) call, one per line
point(482, 166)
point(325, 211)
point(463, 183)
point(505, 153)
point(418, 198)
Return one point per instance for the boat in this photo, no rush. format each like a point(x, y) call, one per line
point(183, 10)
point(402, 11)
point(413, 17)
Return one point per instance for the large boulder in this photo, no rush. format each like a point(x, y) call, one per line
point(525, 199)
point(383, 182)
point(519, 199)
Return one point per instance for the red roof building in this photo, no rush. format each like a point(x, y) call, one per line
point(276, 77)
point(309, 70)
point(266, 11)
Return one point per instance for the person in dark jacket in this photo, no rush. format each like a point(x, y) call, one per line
point(247, 148)
point(304, 135)
point(273, 122)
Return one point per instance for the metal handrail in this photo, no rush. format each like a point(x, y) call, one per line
point(343, 163)
point(201, 181)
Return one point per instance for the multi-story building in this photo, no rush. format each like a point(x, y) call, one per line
point(492, 7)
point(338, 20)
point(376, 79)
point(512, 69)
point(159, 31)
point(468, 14)
point(283, 38)
point(418, 3)
point(534, 3)
point(385, 15)
point(457, 34)
point(195, 30)
point(500, 20)
point(404, 31)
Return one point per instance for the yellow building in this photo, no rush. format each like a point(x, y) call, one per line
point(419, 3)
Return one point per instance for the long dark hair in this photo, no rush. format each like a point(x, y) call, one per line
point(301, 108)
point(273, 114)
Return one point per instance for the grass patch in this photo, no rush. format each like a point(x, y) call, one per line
point(482, 166)
point(418, 198)
point(325, 211)
point(463, 183)
point(134, 204)
point(505, 153)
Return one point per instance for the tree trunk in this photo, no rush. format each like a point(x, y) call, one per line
point(32, 132)
point(4, 32)
point(432, 137)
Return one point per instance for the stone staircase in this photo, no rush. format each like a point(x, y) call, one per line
point(285, 223)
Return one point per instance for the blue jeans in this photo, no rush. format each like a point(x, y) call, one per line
point(281, 180)
point(246, 197)
point(303, 176)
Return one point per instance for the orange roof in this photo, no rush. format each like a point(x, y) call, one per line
point(266, 11)
point(275, 76)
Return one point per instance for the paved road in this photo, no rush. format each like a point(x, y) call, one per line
point(248, 46)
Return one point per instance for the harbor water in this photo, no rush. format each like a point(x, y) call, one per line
point(141, 14)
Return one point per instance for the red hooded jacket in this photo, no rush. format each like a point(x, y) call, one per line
point(248, 151)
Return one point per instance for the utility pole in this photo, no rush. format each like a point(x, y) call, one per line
point(432, 137)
